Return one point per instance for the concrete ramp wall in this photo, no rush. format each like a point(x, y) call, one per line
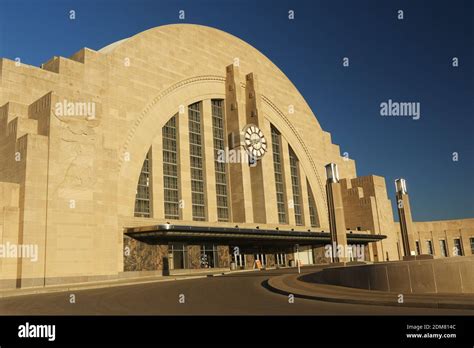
point(449, 275)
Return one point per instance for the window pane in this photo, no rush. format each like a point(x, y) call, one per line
point(279, 182)
point(143, 194)
point(170, 169)
point(196, 161)
point(295, 183)
point(458, 247)
point(220, 168)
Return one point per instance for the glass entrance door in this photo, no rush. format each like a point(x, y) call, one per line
point(208, 256)
point(178, 256)
point(239, 260)
point(262, 258)
point(280, 259)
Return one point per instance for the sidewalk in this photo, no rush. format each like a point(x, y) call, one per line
point(112, 283)
point(289, 284)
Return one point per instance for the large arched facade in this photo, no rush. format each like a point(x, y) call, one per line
point(203, 88)
point(80, 176)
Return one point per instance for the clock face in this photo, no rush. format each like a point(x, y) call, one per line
point(255, 141)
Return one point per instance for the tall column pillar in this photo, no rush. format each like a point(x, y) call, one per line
point(337, 224)
point(252, 108)
point(239, 173)
point(404, 214)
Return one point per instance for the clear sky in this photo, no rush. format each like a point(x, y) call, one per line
point(407, 60)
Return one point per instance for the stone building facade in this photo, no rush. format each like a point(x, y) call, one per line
point(445, 238)
point(109, 164)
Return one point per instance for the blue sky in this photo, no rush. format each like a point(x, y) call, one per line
point(407, 60)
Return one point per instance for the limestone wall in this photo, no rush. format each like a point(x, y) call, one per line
point(367, 207)
point(448, 230)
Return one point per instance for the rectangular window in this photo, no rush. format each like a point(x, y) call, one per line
point(220, 167)
point(472, 245)
point(418, 250)
point(196, 161)
point(170, 169)
point(458, 247)
point(279, 180)
point(295, 183)
point(429, 247)
point(143, 194)
point(443, 247)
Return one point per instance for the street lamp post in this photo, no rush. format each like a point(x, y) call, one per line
point(298, 257)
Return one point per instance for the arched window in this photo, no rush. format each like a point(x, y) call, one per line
point(296, 187)
point(313, 212)
point(143, 194)
point(170, 169)
point(196, 152)
point(220, 167)
point(279, 179)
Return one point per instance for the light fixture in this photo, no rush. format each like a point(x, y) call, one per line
point(401, 186)
point(332, 172)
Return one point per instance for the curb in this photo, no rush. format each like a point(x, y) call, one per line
point(277, 285)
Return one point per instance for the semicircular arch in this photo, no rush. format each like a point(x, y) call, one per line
point(159, 110)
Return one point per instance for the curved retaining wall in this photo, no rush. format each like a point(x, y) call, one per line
point(449, 275)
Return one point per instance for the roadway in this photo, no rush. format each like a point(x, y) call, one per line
point(233, 294)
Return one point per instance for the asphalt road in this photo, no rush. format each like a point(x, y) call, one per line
point(234, 294)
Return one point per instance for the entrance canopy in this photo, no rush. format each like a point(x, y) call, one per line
point(165, 233)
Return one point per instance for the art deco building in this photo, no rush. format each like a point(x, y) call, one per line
point(112, 163)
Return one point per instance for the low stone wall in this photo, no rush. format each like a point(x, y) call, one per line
point(141, 256)
point(448, 275)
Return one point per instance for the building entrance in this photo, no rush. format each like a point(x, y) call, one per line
point(239, 260)
point(280, 259)
point(262, 258)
